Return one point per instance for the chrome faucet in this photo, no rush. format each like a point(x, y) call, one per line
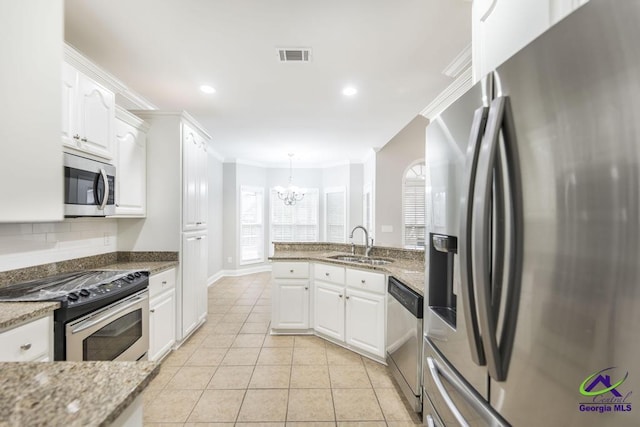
point(368, 244)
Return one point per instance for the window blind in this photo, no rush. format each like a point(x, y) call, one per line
point(296, 223)
point(335, 215)
point(413, 207)
point(251, 225)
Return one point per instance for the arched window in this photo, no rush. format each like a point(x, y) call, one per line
point(413, 206)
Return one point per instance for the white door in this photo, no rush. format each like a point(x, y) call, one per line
point(190, 172)
point(329, 310)
point(131, 168)
point(201, 286)
point(70, 132)
point(291, 305)
point(97, 118)
point(365, 321)
point(162, 324)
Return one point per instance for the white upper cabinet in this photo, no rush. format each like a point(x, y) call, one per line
point(88, 114)
point(131, 164)
point(31, 161)
point(195, 186)
point(501, 28)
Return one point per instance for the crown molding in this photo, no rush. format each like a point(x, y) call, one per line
point(183, 115)
point(75, 58)
point(129, 118)
point(459, 64)
point(459, 86)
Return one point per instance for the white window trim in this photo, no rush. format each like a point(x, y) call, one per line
point(327, 191)
point(239, 247)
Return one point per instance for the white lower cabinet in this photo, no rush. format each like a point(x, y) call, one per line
point(194, 281)
point(365, 321)
point(291, 295)
point(162, 313)
point(29, 342)
point(349, 307)
point(329, 310)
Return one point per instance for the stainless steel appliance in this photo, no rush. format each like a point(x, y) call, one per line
point(89, 187)
point(404, 340)
point(535, 175)
point(103, 315)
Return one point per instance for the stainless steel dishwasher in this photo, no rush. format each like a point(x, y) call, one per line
point(404, 340)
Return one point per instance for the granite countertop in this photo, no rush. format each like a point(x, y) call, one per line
point(153, 267)
point(70, 393)
point(409, 272)
point(15, 313)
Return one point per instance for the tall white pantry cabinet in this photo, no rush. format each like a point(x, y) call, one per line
point(177, 192)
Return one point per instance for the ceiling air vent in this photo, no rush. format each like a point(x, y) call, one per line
point(294, 54)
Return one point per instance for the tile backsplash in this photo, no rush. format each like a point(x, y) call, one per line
point(28, 244)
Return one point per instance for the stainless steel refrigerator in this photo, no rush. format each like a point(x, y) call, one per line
point(532, 296)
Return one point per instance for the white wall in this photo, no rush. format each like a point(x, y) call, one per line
point(28, 244)
point(391, 163)
point(215, 218)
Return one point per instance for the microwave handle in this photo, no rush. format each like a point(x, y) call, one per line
point(105, 198)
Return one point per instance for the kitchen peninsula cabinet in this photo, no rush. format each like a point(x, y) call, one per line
point(291, 294)
point(31, 161)
point(29, 342)
point(162, 313)
point(176, 183)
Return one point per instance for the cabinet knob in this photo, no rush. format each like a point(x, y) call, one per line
point(340, 295)
point(290, 271)
point(347, 297)
point(76, 136)
point(326, 274)
point(198, 223)
point(83, 139)
point(25, 347)
point(306, 288)
point(164, 282)
point(363, 281)
point(153, 310)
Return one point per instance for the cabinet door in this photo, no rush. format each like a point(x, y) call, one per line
point(329, 310)
point(190, 273)
point(203, 185)
point(162, 324)
point(201, 284)
point(291, 305)
point(365, 321)
point(97, 118)
point(190, 172)
point(131, 161)
point(70, 132)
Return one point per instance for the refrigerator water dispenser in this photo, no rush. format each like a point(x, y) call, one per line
point(442, 299)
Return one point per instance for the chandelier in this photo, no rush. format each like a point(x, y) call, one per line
point(291, 194)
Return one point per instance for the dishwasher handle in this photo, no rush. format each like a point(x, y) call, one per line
point(407, 297)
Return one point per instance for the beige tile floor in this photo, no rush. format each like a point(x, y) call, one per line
point(231, 371)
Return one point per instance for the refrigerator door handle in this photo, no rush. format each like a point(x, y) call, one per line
point(435, 374)
point(488, 305)
point(481, 237)
point(464, 250)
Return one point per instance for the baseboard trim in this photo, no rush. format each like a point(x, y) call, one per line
point(237, 273)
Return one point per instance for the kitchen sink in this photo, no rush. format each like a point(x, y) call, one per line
point(361, 260)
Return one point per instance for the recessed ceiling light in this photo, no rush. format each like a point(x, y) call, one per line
point(349, 91)
point(207, 89)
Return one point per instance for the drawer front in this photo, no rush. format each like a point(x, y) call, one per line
point(366, 281)
point(329, 273)
point(27, 342)
point(161, 282)
point(290, 270)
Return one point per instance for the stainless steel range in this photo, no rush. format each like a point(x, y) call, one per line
point(103, 315)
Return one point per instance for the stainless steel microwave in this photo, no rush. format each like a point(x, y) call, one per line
point(89, 187)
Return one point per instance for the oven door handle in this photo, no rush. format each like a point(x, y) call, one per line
point(92, 322)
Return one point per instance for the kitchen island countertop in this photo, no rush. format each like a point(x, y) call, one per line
point(15, 313)
point(70, 393)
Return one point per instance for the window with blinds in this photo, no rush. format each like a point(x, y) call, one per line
point(413, 207)
point(335, 214)
point(296, 223)
point(251, 225)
